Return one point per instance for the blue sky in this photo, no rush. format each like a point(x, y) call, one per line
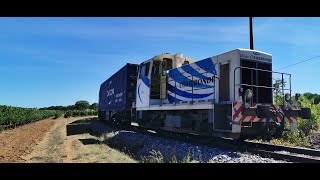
point(58, 61)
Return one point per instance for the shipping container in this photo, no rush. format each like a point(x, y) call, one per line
point(117, 93)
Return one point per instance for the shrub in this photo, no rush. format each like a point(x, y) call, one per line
point(296, 138)
point(154, 157)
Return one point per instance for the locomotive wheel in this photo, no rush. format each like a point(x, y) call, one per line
point(279, 130)
point(270, 130)
point(267, 136)
point(279, 126)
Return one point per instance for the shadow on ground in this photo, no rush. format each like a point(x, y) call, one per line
point(81, 126)
point(89, 141)
point(92, 126)
point(135, 144)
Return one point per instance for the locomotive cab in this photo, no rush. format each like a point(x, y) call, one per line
point(152, 78)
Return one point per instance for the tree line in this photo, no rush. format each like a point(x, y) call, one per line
point(79, 105)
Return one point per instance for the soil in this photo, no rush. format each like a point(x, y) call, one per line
point(62, 140)
point(18, 142)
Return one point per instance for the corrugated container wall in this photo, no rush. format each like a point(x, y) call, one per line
point(118, 92)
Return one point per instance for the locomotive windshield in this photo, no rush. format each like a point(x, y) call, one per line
point(257, 78)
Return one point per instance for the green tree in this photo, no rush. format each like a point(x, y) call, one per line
point(313, 97)
point(94, 106)
point(71, 107)
point(81, 105)
point(317, 99)
point(278, 96)
point(308, 95)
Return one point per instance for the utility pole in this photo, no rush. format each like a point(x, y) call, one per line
point(251, 34)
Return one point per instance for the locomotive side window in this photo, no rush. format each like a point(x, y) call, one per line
point(169, 64)
point(155, 68)
point(163, 68)
point(144, 71)
point(147, 69)
point(166, 65)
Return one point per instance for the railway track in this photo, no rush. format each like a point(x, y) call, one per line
point(293, 154)
point(278, 152)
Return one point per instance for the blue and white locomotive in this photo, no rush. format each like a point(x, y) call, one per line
point(230, 95)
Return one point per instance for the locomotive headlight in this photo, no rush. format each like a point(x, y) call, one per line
point(287, 97)
point(248, 98)
point(248, 94)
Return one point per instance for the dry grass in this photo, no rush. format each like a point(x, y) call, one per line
point(95, 152)
point(80, 147)
point(274, 141)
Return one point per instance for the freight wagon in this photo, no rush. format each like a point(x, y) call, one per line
point(229, 95)
point(117, 95)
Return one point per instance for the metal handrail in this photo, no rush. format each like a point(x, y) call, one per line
point(255, 69)
point(276, 72)
point(259, 86)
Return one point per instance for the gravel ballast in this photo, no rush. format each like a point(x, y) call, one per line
point(146, 148)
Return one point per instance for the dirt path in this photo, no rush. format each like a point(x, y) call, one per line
point(51, 148)
point(69, 140)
